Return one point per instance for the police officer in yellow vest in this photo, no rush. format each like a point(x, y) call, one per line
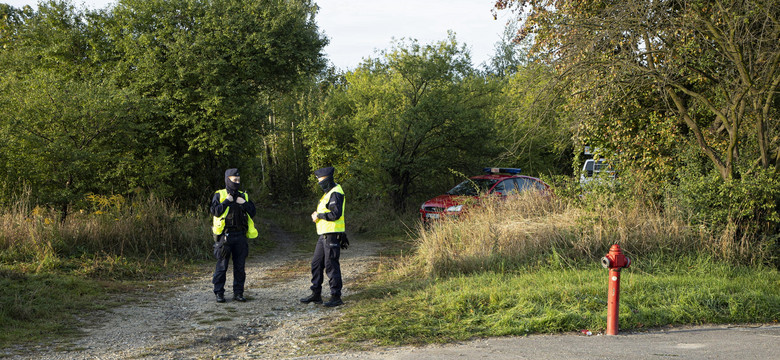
point(232, 213)
point(329, 219)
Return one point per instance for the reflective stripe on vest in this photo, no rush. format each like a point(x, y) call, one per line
point(325, 226)
point(218, 222)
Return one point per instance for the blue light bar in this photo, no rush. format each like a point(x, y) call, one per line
point(513, 171)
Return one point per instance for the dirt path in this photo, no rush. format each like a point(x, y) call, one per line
point(186, 323)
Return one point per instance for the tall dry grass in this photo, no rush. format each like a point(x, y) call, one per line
point(113, 226)
point(530, 227)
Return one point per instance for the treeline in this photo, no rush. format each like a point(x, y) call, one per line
point(162, 96)
point(148, 96)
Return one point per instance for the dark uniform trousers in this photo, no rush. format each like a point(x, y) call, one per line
point(238, 249)
point(326, 257)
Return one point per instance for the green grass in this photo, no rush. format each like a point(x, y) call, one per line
point(39, 303)
point(33, 307)
point(552, 299)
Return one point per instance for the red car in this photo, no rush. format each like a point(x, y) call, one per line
point(497, 181)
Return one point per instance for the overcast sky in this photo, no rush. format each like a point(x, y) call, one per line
point(358, 28)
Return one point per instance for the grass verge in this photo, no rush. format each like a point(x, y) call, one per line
point(551, 299)
point(43, 305)
point(37, 306)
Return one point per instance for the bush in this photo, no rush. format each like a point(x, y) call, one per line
point(741, 214)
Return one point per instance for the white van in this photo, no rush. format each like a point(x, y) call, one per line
point(593, 169)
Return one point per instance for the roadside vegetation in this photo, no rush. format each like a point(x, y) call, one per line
point(551, 298)
point(532, 265)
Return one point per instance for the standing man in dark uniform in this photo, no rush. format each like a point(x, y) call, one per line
point(232, 213)
point(329, 219)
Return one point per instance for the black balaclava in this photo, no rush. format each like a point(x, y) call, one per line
point(232, 188)
point(327, 184)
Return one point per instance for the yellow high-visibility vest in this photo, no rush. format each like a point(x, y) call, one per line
point(325, 226)
point(218, 223)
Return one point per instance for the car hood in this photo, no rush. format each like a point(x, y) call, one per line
point(445, 201)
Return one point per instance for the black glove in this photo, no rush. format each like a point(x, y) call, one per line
point(344, 241)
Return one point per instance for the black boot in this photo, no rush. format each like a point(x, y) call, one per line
point(314, 297)
point(220, 298)
point(334, 301)
point(239, 297)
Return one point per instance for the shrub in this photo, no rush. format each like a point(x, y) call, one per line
point(741, 214)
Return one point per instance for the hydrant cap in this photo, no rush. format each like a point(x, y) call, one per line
point(615, 259)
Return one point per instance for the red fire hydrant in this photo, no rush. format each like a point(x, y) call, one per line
point(614, 261)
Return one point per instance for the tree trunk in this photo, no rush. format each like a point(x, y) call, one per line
point(725, 170)
point(65, 204)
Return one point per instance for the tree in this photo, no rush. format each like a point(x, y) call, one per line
point(211, 69)
point(68, 138)
point(408, 116)
point(66, 130)
point(715, 66)
point(509, 55)
point(534, 127)
point(161, 95)
point(533, 123)
point(284, 156)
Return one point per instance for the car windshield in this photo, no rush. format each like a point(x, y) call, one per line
point(472, 187)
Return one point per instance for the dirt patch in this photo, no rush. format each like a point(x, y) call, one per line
point(285, 273)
